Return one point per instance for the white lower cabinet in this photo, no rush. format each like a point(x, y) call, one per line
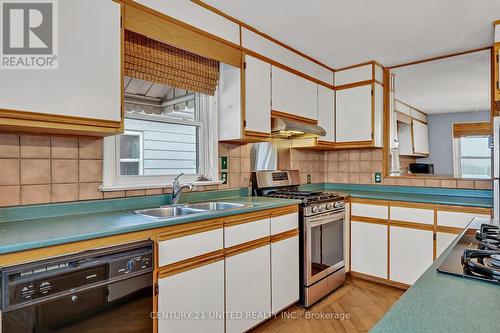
point(285, 273)
point(197, 292)
point(443, 240)
point(248, 289)
point(369, 248)
point(411, 252)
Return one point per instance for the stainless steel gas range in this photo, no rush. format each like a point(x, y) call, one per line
point(321, 229)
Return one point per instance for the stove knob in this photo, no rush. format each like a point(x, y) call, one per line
point(322, 208)
point(330, 206)
point(315, 209)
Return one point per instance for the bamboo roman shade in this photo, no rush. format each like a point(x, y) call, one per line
point(153, 61)
point(471, 129)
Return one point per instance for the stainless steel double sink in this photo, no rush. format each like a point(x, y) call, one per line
point(172, 211)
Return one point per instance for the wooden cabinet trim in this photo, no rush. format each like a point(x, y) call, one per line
point(372, 220)
point(245, 218)
point(281, 114)
point(148, 22)
point(190, 264)
point(182, 230)
point(284, 211)
point(248, 246)
point(354, 84)
point(284, 235)
point(409, 204)
point(370, 201)
point(411, 225)
point(463, 209)
point(449, 230)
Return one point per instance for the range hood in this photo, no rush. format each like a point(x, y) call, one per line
point(286, 128)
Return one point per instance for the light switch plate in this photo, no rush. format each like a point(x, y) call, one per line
point(223, 163)
point(378, 177)
point(309, 179)
point(223, 177)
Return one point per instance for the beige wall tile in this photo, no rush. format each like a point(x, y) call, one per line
point(432, 182)
point(354, 166)
point(90, 148)
point(343, 166)
point(35, 194)
point(403, 182)
point(233, 179)
point(234, 151)
point(417, 182)
point(365, 155)
point(465, 183)
point(154, 191)
point(9, 145)
point(135, 193)
point(89, 191)
point(483, 184)
point(365, 178)
point(377, 155)
point(223, 151)
point(9, 171)
point(64, 147)
point(35, 171)
point(35, 146)
point(451, 183)
point(245, 151)
point(245, 165)
point(90, 171)
point(353, 178)
point(64, 171)
point(10, 196)
point(377, 166)
point(244, 179)
point(365, 166)
point(343, 155)
point(354, 155)
point(343, 177)
point(64, 192)
point(389, 181)
point(116, 194)
point(234, 164)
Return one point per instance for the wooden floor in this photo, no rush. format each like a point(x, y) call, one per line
point(354, 307)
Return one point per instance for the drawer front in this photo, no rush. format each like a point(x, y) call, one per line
point(366, 210)
point(414, 215)
point(190, 246)
point(284, 223)
point(245, 232)
point(456, 219)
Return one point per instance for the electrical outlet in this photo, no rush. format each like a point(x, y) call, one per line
point(223, 177)
point(309, 179)
point(378, 177)
point(223, 163)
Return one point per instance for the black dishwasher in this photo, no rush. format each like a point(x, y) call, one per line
point(103, 290)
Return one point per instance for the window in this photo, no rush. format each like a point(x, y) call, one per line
point(473, 157)
point(167, 131)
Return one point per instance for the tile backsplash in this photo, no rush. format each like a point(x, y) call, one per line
point(44, 169)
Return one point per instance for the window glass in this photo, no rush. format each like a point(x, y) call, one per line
point(475, 157)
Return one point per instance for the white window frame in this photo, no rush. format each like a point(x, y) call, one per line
point(141, 146)
point(457, 160)
point(208, 155)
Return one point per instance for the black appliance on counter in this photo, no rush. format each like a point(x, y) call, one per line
point(104, 290)
point(477, 254)
point(421, 168)
point(321, 232)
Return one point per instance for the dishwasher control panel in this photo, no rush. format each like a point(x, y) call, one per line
point(33, 282)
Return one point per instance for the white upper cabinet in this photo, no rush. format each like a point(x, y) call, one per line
point(257, 99)
point(420, 138)
point(326, 112)
point(293, 94)
point(87, 82)
point(257, 95)
point(497, 33)
point(353, 110)
point(197, 16)
point(284, 85)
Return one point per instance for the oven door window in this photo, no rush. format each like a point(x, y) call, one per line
point(327, 248)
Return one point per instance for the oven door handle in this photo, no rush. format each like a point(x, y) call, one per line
point(324, 218)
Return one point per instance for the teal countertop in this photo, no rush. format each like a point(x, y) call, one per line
point(24, 228)
point(444, 196)
point(440, 302)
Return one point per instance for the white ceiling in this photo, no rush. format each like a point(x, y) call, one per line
point(457, 84)
point(345, 32)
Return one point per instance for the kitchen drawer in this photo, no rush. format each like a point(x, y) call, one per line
point(246, 232)
point(284, 223)
point(414, 215)
point(190, 246)
point(367, 210)
point(457, 219)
